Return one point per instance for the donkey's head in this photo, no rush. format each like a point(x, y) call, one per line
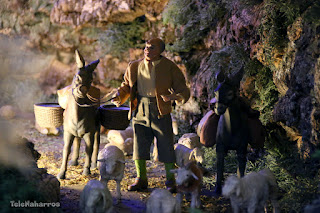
point(226, 92)
point(83, 79)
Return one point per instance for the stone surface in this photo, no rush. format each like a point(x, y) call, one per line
point(299, 105)
point(101, 12)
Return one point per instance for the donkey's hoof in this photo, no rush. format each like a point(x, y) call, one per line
point(73, 163)
point(93, 165)
point(86, 172)
point(118, 201)
point(218, 190)
point(61, 175)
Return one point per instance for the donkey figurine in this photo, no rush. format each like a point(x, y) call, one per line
point(81, 117)
point(232, 130)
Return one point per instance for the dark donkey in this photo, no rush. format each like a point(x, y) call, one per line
point(81, 117)
point(232, 131)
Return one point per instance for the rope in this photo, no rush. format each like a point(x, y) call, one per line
point(96, 101)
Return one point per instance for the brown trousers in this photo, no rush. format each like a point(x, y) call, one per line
point(147, 124)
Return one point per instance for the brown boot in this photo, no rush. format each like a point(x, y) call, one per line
point(171, 186)
point(138, 185)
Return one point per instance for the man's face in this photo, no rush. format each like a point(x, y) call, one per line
point(152, 51)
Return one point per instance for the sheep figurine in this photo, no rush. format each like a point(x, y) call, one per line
point(111, 163)
point(95, 197)
point(190, 140)
point(161, 200)
point(184, 155)
point(252, 191)
point(189, 181)
point(123, 139)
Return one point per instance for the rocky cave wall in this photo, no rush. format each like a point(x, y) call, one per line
point(276, 41)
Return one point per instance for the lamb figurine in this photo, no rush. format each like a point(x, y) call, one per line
point(111, 163)
point(95, 197)
point(184, 155)
point(252, 191)
point(161, 200)
point(189, 181)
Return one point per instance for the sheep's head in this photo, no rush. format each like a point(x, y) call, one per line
point(184, 176)
point(94, 198)
point(197, 155)
point(110, 165)
point(94, 195)
point(231, 186)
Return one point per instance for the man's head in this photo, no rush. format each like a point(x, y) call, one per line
point(154, 47)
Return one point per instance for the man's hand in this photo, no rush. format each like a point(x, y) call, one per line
point(116, 100)
point(172, 97)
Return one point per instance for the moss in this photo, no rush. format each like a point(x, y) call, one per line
point(265, 92)
point(40, 5)
point(312, 14)
point(14, 187)
point(200, 19)
point(251, 2)
point(278, 15)
point(119, 37)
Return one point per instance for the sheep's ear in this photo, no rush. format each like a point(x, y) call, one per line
point(174, 170)
point(104, 198)
point(194, 176)
point(121, 161)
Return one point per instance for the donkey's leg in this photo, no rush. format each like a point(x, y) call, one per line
point(220, 168)
point(75, 151)
point(242, 160)
point(68, 140)
point(88, 138)
point(95, 152)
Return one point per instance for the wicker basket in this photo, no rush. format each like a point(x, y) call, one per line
point(48, 114)
point(113, 117)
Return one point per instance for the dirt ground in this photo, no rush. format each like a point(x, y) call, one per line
point(50, 148)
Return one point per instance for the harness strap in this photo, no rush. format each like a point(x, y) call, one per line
point(96, 101)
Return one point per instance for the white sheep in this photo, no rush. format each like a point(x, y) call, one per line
point(111, 163)
point(95, 197)
point(184, 155)
point(190, 140)
point(119, 136)
point(189, 181)
point(160, 201)
point(123, 139)
point(252, 191)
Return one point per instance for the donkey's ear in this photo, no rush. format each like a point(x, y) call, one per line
point(220, 75)
point(79, 60)
point(93, 65)
point(236, 77)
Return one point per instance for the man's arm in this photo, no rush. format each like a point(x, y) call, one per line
point(180, 92)
point(124, 90)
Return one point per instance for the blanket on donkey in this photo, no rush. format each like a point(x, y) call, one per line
point(207, 130)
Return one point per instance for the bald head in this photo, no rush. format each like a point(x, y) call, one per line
point(154, 47)
point(158, 42)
